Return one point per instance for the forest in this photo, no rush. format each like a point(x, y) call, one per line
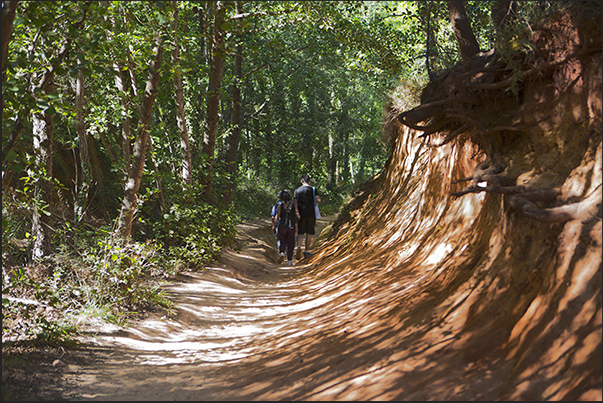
point(165, 123)
point(137, 135)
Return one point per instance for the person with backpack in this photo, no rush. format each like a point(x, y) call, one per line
point(286, 226)
point(306, 199)
point(273, 215)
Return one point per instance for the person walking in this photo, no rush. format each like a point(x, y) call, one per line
point(274, 221)
point(286, 222)
point(305, 198)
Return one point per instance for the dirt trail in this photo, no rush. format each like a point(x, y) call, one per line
point(225, 317)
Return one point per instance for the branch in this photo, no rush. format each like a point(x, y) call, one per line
point(256, 69)
point(258, 14)
point(64, 50)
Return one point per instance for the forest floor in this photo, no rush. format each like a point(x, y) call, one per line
point(162, 355)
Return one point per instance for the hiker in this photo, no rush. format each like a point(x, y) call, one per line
point(273, 215)
point(305, 198)
point(286, 222)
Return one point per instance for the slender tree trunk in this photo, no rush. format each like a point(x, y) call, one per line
point(43, 132)
point(157, 177)
point(107, 143)
point(131, 83)
point(213, 94)
point(43, 145)
point(126, 122)
point(9, 9)
point(80, 123)
point(462, 29)
point(186, 173)
point(428, 45)
point(503, 13)
point(84, 168)
point(232, 143)
point(332, 162)
point(129, 204)
point(199, 74)
point(97, 175)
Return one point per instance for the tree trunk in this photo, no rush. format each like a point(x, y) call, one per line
point(43, 144)
point(129, 204)
point(332, 162)
point(428, 45)
point(235, 118)
point(503, 13)
point(111, 129)
point(97, 175)
point(157, 176)
point(9, 9)
point(462, 29)
point(84, 168)
point(186, 173)
point(198, 75)
point(126, 123)
point(213, 94)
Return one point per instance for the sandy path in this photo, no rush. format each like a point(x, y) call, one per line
point(224, 316)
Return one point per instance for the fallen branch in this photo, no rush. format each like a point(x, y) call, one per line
point(25, 301)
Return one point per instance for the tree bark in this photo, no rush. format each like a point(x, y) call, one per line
point(84, 168)
point(126, 123)
point(9, 9)
point(43, 145)
point(463, 33)
point(129, 204)
point(232, 143)
point(331, 178)
point(97, 175)
point(213, 94)
point(157, 176)
point(43, 133)
point(503, 13)
point(186, 172)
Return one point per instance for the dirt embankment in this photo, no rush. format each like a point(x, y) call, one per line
point(493, 294)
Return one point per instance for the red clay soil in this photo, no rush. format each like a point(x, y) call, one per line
point(412, 294)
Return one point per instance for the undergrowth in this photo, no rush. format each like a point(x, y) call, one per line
point(94, 276)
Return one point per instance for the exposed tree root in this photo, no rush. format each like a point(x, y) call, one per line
point(491, 102)
point(487, 172)
point(582, 210)
point(489, 176)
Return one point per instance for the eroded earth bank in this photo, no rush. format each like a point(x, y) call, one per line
point(468, 271)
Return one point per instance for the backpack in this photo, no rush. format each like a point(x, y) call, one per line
point(275, 208)
point(288, 217)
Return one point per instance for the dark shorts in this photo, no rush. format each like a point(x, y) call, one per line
point(305, 225)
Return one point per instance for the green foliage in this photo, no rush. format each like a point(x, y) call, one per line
point(194, 236)
point(192, 233)
point(254, 199)
point(98, 274)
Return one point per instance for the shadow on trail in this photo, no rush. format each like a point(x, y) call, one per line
point(237, 311)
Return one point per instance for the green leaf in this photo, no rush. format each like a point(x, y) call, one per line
point(11, 156)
